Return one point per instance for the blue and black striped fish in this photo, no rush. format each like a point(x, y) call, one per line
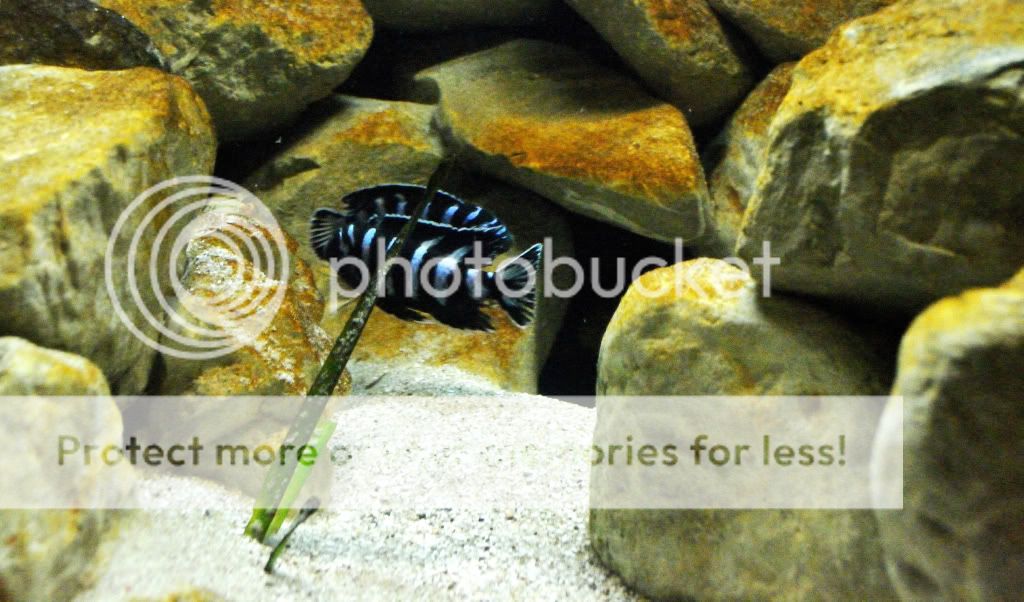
point(446, 233)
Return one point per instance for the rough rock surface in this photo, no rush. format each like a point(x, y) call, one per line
point(701, 341)
point(49, 554)
point(742, 146)
point(525, 541)
point(256, 63)
point(678, 48)
point(788, 29)
point(362, 142)
point(78, 147)
point(551, 120)
point(282, 359)
point(895, 162)
point(441, 15)
point(960, 535)
point(352, 143)
point(71, 33)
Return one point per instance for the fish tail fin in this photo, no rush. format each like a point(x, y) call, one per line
point(512, 281)
point(323, 232)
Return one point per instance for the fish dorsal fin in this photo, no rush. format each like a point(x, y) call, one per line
point(400, 199)
point(494, 240)
point(324, 232)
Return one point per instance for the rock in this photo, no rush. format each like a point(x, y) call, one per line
point(362, 142)
point(678, 48)
point(699, 342)
point(960, 535)
point(441, 15)
point(510, 358)
point(355, 143)
point(788, 29)
point(50, 554)
point(547, 118)
point(280, 356)
point(71, 33)
point(256, 64)
point(876, 190)
point(79, 146)
point(742, 146)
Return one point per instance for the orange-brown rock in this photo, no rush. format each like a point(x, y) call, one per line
point(443, 15)
point(742, 146)
point(551, 120)
point(256, 63)
point(960, 534)
point(788, 29)
point(895, 161)
point(679, 49)
point(79, 147)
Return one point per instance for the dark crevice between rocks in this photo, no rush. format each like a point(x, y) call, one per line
point(571, 368)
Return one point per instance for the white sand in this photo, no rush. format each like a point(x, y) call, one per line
point(513, 528)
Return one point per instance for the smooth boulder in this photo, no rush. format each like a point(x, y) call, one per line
point(52, 554)
point(960, 535)
point(701, 328)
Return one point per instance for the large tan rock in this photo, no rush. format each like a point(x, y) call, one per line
point(78, 147)
point(788, 29)
point(441, 15)
point(256, 63)
point(71, 33)
point(742, 145)
point(895, 162)
point(549, 119)
point(51, 554)
point(713, 335)
point(678, 48)
point(960, 535)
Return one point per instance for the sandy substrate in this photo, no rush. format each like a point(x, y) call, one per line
point(443, 498)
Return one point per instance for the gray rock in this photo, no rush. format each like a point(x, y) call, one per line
point(960, 535)
point(50, 554)
point(551, 120)
point(71, 33)
point(80, 146)
point(257, 65)
point(441, 15)
point(742, 146)
point(678, 48)
point(875, 188)
point(787, 29)
point(717, 337)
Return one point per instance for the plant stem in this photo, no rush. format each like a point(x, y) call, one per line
point(301, 431)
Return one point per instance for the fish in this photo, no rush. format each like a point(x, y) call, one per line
point(448, 231)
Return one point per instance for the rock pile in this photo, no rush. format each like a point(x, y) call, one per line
point(872, 148)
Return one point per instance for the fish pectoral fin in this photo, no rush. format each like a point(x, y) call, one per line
point(324, 235)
